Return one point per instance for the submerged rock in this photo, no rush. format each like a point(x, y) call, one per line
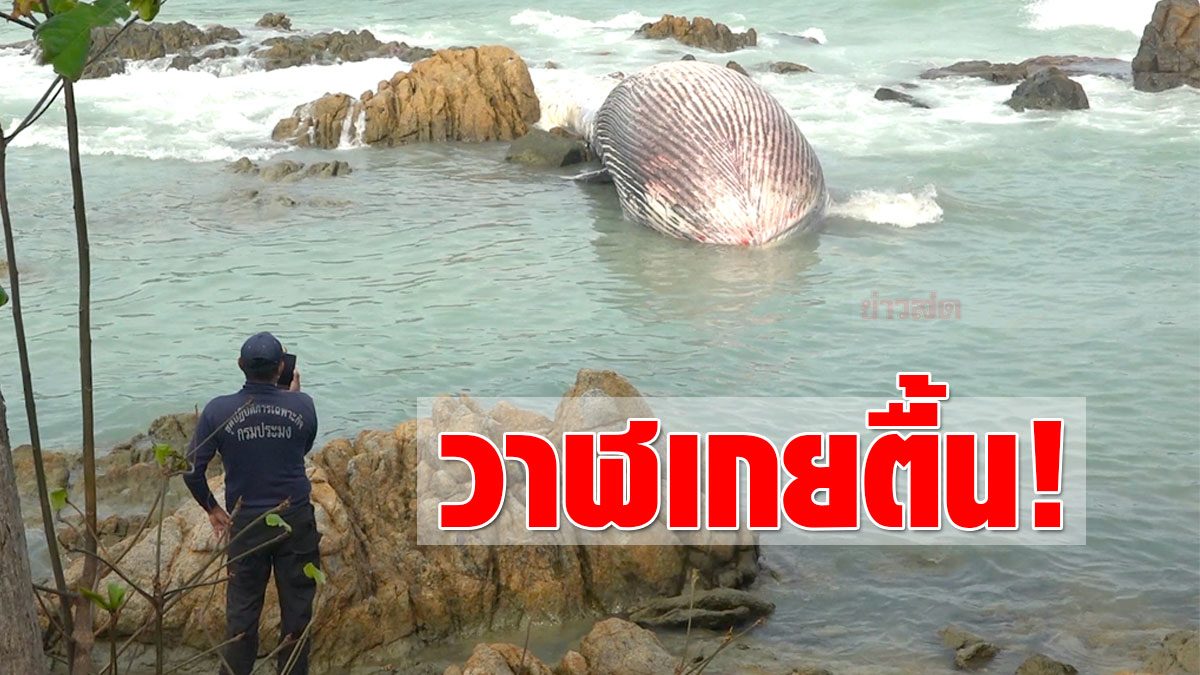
point(475, 94)
point(289, 170)
point(699, 32)
point(546, 149)
point(718, 609)
point(1040, 664)
point(1011, 73)
point(788, 68)
point(1177, 654)
point(335, 47)
point(737, 68)
point(971, 652)
point(888, 94)
point(1048, 89)
point(277, 20)
point(1169, 53)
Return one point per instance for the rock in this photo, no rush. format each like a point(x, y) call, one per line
point(551, 65)
point(220, 53)
point(618, 647)
point(544, 149)
point(717, 609)
point(971, 652)
point(335, 47)
point(475, 94)
point(1040, 664)
point(1169, 53)
point(787, 68)
point(105, 67)
point(1011, 73)
point(328, 169)
point(1178, 653)
point(688, 57)
point(810, 670)
point(572, 663)
point(145, 41)
point(277, 20)
point(183, 62)
point(737, 68)
point(699, 32)
point(1048, 89)
point(502, 659)
point(242, 165)
point(888, 94)
point(280, 170)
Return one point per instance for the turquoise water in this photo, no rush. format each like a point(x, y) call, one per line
point(1070, 240)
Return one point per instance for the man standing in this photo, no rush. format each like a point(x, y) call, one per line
point(262, 433)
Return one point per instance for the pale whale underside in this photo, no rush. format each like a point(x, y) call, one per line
point(701, 152)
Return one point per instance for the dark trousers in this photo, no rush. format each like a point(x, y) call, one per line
point(247, 586)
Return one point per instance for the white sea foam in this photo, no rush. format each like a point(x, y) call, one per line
point(1126, 15)
point(558, 25)
point(901, 209)
point(570, 98)
point(815, 34)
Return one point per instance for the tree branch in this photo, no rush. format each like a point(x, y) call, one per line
point(20, 22)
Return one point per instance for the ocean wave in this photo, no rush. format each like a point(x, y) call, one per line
point(1124, 15)
point(558, 25)
point(900, 209)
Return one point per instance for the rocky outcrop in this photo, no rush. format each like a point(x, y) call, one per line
point(475, 94)
point(718, 609)
point(335, 47)
point(616, 647)
point(142, 42)
point(547, 149)
point(889, 94)
point(1169, 54)
point(1177, 654)
point(971, 652)
point(1011, 73)
point(788, 68)
point(290, 171)
point(1048, 89)
point(1040, 664)
point(276, 20)
point(386, 589)
point(698, 32)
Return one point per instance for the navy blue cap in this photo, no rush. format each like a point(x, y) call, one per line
point(262, 348)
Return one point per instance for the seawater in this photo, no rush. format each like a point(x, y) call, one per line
point(1070, 240)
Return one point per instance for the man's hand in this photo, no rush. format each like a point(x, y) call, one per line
point(295, 385)
point(220, 521)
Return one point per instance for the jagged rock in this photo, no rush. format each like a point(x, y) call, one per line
point(888, 94)
point(617, 647)
point(1169, 53)
point(971, 652)
point(1011, 73)
point(1048, 89)
point(737, 68)
point(1177, 654)
point(787, 68)
point(277, 20)
point(475, 94)
point(545, 149)
point(335, 47)
point(1040, 664)
point(718, 609)
point(699, 32)
point(144, 41)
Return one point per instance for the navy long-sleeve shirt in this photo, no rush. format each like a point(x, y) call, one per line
point(262, 433)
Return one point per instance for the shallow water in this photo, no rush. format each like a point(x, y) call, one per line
point(1071, 241)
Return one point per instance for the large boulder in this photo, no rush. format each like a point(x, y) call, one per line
point(699, 32)
point(544, 149)
point(1048, 89)
point(1011, 73)
point(475, 94)
point(334, 47)
point(971, 652)
point(1169, 54)
point(618, 647)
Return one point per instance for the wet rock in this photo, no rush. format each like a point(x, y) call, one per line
point(280, 170)
point(718, 609)
point(145, 41)
point(1040, 664)
point(183, 62)
point(277, 20)
point(242, 165)
point(888, 94)
point(688, 57)
point(551, 65)
point(810, 670)
point(1048, 89)
point(699, 32)
point(788, 68)
point(572, 663)
point(737, 68)
point(106, 67)
point(544, 149)
point(334, 47)
point(220, 53)
point(617, 647)
point(971, 652)
point(1011, 73)
point(1169, 53)
point(328, 169)
point(475, 94)
point(1177, 654)
point(501, 659)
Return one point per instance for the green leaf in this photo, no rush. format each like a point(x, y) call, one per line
point(313, 572)
point(163, 452)
point(66, 38)
point(97, 599)
point(116, 596)
point(275, 520)
point(60, 6)
point(58, 499)
point(146, 9)
point(3, 297)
